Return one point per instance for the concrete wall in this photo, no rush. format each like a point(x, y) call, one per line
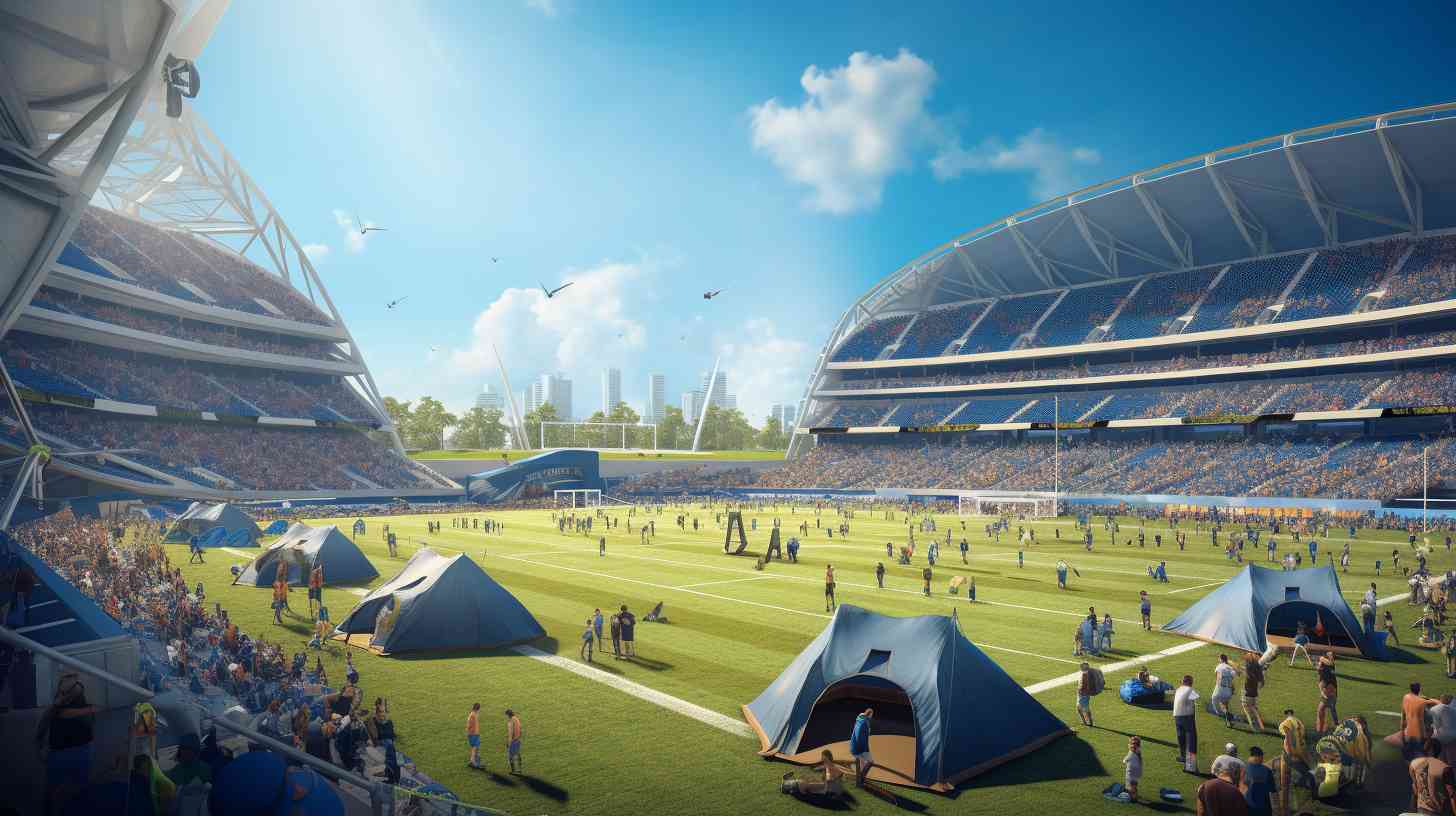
point(458, 469)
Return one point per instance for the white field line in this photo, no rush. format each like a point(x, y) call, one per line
point(360, 591)
point(1196, 586)
point(728, 581)
point(703, 715)
point(1068, 679)
point(915, 592)
point(806, 613)
point(238, 553)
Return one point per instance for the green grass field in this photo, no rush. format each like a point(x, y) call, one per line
point(705, 456)
point(592, 749)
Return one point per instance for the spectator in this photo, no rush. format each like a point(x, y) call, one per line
point(513, 741)
point(1433, 788)
point(1413, 728)
point(1185, 725)
point(1132, 767)
point(859, 746)
point(472, 736)
point(1258, 785)
point(1220, 795)
point(629, 625)
point(65, 732)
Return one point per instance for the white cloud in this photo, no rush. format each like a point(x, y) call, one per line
point(863, 122)
point(1056, 169)
point(354, 240)
point(859, 124)
point(316, 252)
point(546, 7)
point(764, 367)
point(587, 326)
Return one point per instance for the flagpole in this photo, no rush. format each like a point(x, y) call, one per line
point(1056, 448)
point(1425, 489)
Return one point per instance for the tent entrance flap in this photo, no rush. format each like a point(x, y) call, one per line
point(832, 719)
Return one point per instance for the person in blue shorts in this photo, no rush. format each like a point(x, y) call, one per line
point(1145, 606)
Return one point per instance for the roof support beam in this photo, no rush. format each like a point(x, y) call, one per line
point(986, 283)
point(1081, 221)
point(1027, 252)
point(1374, 218)
point(1311, 193)
point(1236, 210)
point(1400, 172)
point(1163, 221)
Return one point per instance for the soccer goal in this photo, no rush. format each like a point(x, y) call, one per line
point(578, 498)
point(1031, 504)
point(599, 435)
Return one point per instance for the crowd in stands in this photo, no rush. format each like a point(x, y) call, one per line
point(870, 340)
point(1412, 387)
point(251, 456)
point(84, 370)
point(1181, 362)
point(162, 260)
point(59, 300)
point(690, 479)
point(1225, 465)
point(1428, 275)
point(1334, 284)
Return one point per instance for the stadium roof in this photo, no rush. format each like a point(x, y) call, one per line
point(1339, 183)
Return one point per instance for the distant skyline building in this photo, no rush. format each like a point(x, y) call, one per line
point(656, 398)
point(489, 399)
point(720, 396)
point(611, 389)
point(692, 406)
point(785, 412)
point(556, 390)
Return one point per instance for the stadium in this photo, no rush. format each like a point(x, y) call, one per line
point(1204, 408)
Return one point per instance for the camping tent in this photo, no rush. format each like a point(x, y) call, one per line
point(302, 548)
point(1260, 604)
point(201, 518)
point(276, 527)
point(944, 711)
point(440, 602)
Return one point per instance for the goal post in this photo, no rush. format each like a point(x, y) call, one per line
point(572, 499)
point(1032, 504)
point(599, 435)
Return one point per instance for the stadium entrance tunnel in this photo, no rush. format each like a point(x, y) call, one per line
point(893, 739)
point(1284, 619)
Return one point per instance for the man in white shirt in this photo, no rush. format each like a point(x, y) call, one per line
point(1184, 724)
point(1223, 688)
point(1443, 725)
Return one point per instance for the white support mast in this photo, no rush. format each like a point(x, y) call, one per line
point(707, 400)
point(518, 426)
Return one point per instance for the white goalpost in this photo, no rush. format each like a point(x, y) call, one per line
point(599, 435)
point(1032, 504)
point(573, 499)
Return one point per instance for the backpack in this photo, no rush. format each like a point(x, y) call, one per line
point(1095, 681)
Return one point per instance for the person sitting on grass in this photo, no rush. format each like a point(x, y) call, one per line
point(830, 784)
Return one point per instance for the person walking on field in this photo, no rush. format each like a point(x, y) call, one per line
point(1253, 679)
point(596, 624)
point(616, 637)
point(1223, 688)
point(586, 641)
point(829, 602)
point(629, 625)
point(1145, 608)
point(472, 736)
point(513, 741)
point(1185, 725)
point(1084, 695)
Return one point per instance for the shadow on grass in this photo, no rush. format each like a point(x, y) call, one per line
point(503, 781)
point(541, 787)
point(548, 645)
point(649, 664)
point(1355, 678)
point(1066, 758)
point(1401, 655)
point(1143, 737)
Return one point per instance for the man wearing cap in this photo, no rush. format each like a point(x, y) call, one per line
point(1229, 760)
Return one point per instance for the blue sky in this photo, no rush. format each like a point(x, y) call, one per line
point(788, 155)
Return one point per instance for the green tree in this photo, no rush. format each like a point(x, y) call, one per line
point(427, 423)
point(479, 428)
point(532, 422)
point(772, 437)
point(673, 432)
point(726, 429)
point(399, 414)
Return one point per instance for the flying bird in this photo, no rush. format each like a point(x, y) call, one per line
point(712, 294)
point(365, 229)
point(494, 259)
point(551, 293)
point(394, 303)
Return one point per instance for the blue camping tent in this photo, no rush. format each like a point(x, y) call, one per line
point(302, 548)
point(440, 602)
point(276, 527)
point(201, 518)
point(944, 711)
point(59, 613)
point(1261, 604)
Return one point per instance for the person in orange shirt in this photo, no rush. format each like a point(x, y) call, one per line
point(315, 588)
point(280, 599)
point(472, 735)
point(829, 603)
point(513, 741)
point(1413, 729)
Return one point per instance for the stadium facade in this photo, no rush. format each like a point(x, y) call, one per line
point(1276, 318)
point(167, 333)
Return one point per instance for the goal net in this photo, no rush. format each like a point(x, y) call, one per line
point(578, 498)
point(1028, 504)
point(598, 435)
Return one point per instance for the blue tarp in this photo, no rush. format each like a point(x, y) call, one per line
point(1259, 600)
point(300, 549)
point(277, 527)
point(60, 614)
point(968, 714)
point(443, 602)
point(537, 476)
